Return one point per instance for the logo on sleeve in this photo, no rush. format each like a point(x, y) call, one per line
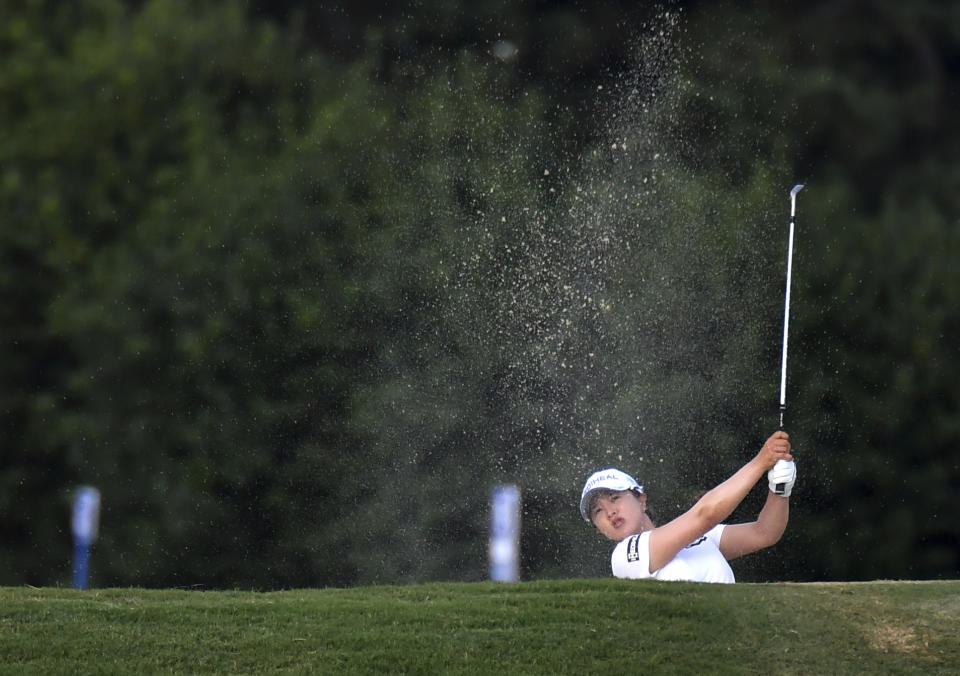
point(696, 542)
point(633, 549)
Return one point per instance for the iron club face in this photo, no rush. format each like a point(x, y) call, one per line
point(793, 198)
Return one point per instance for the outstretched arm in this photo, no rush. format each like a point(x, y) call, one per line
point(746, 538)
point(716, 505)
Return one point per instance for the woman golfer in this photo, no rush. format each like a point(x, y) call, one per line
point(696, 545)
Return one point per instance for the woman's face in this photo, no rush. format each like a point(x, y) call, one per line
point(620, 514)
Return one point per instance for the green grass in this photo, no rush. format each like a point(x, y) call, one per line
point(575, 626)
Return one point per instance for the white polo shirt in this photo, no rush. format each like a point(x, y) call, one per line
point(700, 561)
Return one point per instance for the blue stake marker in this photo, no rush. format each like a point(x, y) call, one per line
point(86, 522)
point(505, 534)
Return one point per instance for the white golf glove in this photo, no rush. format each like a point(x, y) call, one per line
point(782, 477)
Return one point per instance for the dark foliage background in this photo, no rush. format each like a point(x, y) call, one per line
point(295, 285)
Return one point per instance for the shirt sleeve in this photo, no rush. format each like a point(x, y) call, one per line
point(631, 557)
point(716, 533)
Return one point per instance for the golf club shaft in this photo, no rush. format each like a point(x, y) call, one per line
point(786, 303)
point(786, 325)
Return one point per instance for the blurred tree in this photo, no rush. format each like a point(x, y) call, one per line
point(854, 98)
point(204, 219)
point(296, 298)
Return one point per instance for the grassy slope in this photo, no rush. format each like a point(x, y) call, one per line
point(577, 626)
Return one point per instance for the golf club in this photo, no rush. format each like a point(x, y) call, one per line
point(786, 313)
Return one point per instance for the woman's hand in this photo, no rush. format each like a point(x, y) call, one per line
point(777, 447)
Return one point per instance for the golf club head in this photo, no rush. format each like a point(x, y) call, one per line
point(793, 198)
